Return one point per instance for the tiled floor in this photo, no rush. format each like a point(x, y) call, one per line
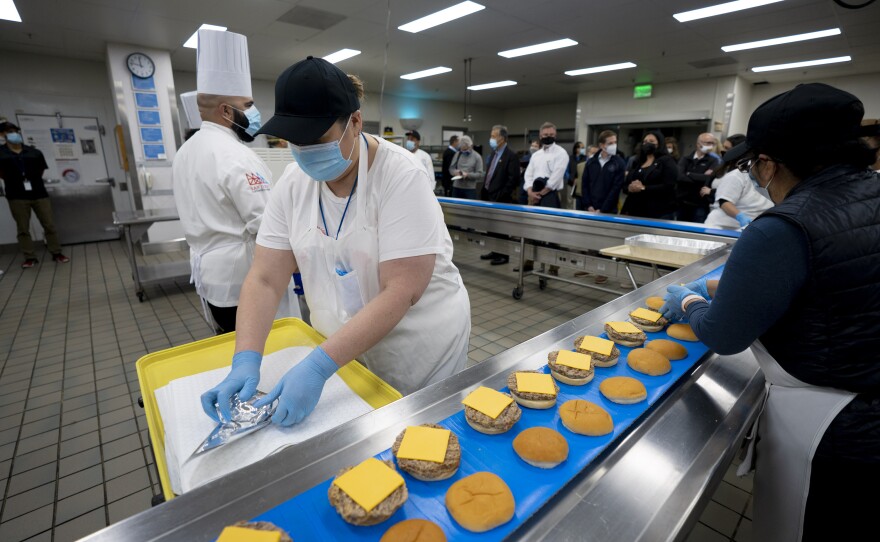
point(74, 449)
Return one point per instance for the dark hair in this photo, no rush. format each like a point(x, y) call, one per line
point(9, 127)
point(453, 139)
point(854, 152)
point(605, 134)
point(736, 139)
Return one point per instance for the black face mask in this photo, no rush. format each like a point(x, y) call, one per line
point(549, 140)
point(240, 124)
point(649, 148)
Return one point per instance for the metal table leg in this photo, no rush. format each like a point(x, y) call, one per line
point(631, 277)
point(518, 291)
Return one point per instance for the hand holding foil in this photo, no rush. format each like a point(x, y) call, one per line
point(241, 380)
point(243, 417)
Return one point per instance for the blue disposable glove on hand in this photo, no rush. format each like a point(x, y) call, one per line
point(242, 379)
point(743, 219)
point(699, 287)
point(671, 309)
point(300, 388)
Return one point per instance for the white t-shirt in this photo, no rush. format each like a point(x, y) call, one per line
point(428, 164)
point(406, 213)
point(737, 188)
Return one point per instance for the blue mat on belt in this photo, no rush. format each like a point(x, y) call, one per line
point(309, 515)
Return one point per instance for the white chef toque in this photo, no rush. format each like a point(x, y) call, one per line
point(222, 64)
point(191, 109)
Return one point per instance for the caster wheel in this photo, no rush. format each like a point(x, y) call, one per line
point(542, 284)
point(157, 500)
point(141, 402)
point(140, 296)
point(517, 293)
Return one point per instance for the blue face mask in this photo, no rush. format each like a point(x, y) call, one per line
point(493, 143)
point(324, 161)
point(410, 145)
point(14, 138)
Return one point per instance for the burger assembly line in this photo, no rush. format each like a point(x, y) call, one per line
point(370, 492)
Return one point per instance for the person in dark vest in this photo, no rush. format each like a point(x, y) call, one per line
point(802, 289)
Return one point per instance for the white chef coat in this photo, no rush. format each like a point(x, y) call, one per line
point(737, 188)
point(221, 188)
point(428, 163)
point(551, 162)
point(391, 215)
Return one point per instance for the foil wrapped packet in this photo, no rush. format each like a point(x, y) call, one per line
point(245, 419)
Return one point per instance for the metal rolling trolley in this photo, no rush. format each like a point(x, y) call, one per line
point(135, 225)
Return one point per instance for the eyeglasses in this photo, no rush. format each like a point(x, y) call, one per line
point(745, 164)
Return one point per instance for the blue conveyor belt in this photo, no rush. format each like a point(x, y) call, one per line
point(309, 515)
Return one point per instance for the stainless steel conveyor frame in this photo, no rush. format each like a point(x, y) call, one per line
point(650, 484)
point(575, 232)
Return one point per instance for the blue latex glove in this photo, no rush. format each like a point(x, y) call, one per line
point(300, 388)
point(743, 219)
point(699, 287)
point(671, 309)
point(242, 379)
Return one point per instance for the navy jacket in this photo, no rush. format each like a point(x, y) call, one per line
point(600, 186)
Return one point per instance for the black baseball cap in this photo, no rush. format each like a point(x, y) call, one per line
point(809, 120)
point(309, 97)
point(415, 134)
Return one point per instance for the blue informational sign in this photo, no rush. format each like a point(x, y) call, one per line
point(154, 152)
point(151, 135)
point(143, 84)
point(148, 118)
point(62, 135)
point(146, 100)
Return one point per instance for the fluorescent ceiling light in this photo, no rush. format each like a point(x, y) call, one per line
point(443, 16)
point(802, 64)
point(721, 9)
point(539, 48)
point(426, 73)
point(193, 41)
point(485, 86)
point(780, 41)
point(8, 12)
point(341, 55)
point(599, 69)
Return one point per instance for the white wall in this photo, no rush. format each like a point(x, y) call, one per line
point(865, 87)
point(684, 100)
point(520, 120)
point(44, 85)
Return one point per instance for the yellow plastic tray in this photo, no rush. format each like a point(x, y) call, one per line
point(159, 368)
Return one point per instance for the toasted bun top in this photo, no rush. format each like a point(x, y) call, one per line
point(585, 417)
point(669, 349)
point(541, 444)
point(414, 530)
point(654, 303)
point(648, 362)
point(480, 502)
point(682, 332)
point(622, 387)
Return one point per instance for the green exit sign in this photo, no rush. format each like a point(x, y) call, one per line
point(642, 91)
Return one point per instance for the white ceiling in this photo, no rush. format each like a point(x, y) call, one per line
point(608, 32)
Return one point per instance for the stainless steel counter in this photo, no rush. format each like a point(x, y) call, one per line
point(650, 484)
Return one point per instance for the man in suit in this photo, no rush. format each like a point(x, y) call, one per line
point(502, 179)
point(448, 155)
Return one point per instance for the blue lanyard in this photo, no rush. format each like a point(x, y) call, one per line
point(324, 220)
point(341, 220)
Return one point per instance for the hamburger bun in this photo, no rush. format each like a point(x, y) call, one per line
point(541, 447)
point(355, 514)
point(654, 303)
point(672, 350)
point(682, 332)
point(648, 325)
point(566, 374)
point(585, 418)
point(414, 530)
point(493, 426)
point(648, 362)
point(623, 389)
point(480, 502)
point(599, 360)
point(529, 399)
point(625, 339)
point(264, 526)
point(429, 471)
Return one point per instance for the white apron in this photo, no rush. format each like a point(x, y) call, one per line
point(429, 344)
point(793, 420)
